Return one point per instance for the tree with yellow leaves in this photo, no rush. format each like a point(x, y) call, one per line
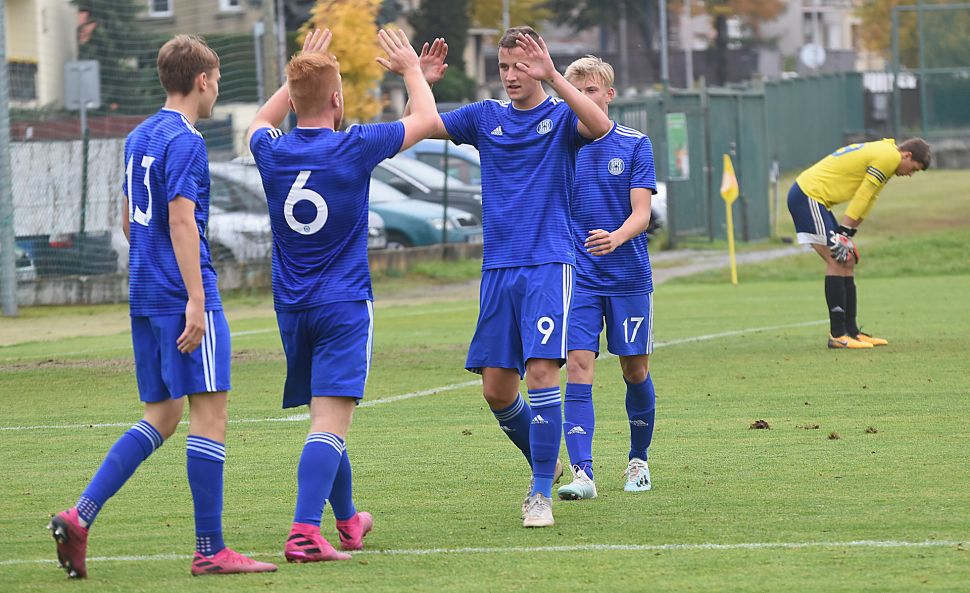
point(354, 27)
point(488, 13)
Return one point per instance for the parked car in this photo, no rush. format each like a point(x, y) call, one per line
point(414, 223)
point(239, 227)
point(463, 160)
point(423, 182)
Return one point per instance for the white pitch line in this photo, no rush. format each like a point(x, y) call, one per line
point(581, 548)
point(301, 417)
point(293, 418)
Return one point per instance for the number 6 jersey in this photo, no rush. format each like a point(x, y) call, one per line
point(165, 158)
point(317, 184)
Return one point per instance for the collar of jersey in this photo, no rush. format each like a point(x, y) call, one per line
point(313, 129)
point(544, 101)
point(608, 134)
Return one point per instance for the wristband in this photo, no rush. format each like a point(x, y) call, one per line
point(847, 230)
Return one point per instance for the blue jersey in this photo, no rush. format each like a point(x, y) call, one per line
point(606, 171)
point(317, 184)
point(165, 158)
point(528, 165)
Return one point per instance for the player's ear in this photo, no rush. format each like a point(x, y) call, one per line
point(202, 81)
point(610, 94)
point(335, 99)
point(292, 106)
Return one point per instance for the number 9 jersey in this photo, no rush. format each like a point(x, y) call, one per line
point(317, 184)
point(165, 157)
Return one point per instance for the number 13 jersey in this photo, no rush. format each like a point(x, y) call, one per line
point(165, 158)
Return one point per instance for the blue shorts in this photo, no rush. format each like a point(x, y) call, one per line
point(814, 223)
point(524, 314)
point(165, 373)
point(328, 351)
point(629, 323)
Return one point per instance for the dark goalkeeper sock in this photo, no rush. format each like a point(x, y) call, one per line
point(835, 299)
point(851, 306)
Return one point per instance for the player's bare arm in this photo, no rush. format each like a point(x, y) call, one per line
point(401, 60)
point(274, 111)
point(433, 66)
point(185, 243)
point(601, 242)
point(593, 123)
point(125, 223)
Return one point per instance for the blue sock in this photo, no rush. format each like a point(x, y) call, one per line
point(122, 460)
point(580, 420)
point(315, 475)
point(514, 420)
point(544, 436)
point(641, 407)
point(204, 463)
point(342, 494)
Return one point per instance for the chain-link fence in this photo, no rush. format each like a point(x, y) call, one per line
point(930, 47)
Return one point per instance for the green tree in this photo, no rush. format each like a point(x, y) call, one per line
point(126, 55)
point(354, 27)
point(488, 13)
point(945, 33)
point(448, 19)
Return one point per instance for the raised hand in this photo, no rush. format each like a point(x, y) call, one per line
point(400, 54)
point(317, 41)
point(433, 60)
point(538, 63)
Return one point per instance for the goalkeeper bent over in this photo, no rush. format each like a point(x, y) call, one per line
point(855, 174)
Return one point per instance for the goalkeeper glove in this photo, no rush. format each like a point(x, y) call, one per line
point(843, 246)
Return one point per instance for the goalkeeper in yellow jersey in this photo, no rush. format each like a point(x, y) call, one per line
point(857, 172)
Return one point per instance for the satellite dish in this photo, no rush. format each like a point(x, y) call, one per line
point(812, 55)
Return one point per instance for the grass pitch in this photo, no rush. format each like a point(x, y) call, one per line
point(875, 498)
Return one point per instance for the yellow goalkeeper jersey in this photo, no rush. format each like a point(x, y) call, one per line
point(857, 172)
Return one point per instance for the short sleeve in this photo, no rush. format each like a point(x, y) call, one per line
point(183, 173)
point(643, 174)
point(261, 139)
point(462, 123)
point(378, 142)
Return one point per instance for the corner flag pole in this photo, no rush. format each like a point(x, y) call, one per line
point(729, 191)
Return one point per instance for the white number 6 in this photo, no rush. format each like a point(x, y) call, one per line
point(545, 327)
point(299, 193)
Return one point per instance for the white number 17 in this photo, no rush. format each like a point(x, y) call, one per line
point(626, 328)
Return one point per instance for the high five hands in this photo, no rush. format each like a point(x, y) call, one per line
point(317, 42)
point(538, 62)
point(400, 54)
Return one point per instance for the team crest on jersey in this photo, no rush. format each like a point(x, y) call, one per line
point(545, 126)
point(616, 166)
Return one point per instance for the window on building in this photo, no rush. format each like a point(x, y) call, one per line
point(159, 7)
point(230, 5)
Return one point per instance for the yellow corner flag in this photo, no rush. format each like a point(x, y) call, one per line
point(729, 191)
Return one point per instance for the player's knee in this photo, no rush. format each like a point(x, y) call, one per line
point(499, 400)
point(634, 371)
point(577, 368)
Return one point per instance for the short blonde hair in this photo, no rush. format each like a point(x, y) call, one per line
point(312, 79)
point(590, 67)
point(181, 60)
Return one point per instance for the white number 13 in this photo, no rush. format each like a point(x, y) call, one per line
point(626, 328)
point(136, 214)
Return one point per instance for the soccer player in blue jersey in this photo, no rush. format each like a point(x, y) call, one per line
point(317, 182)
point(528, 149)
point(615, 181)
point(179, 332)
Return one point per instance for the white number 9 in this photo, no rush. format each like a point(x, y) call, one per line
point(545, 326)
point(299, 193)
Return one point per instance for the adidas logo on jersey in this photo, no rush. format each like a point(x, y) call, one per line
point(506, 428)
point(576, 430)
point(638, 423)
point(539, 420)
point(497, 131)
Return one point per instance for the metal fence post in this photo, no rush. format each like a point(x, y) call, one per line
point(8, 262)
